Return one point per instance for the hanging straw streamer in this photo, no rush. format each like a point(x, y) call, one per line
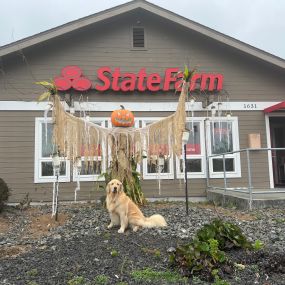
point(229, 123)
point(47, 109)
point(78, 171)
point(219, 118)
point(213, 135)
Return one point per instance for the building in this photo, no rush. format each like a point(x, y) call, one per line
point(152, 43)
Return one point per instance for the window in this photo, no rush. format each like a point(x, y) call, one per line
point(223, 137)
point(43, 154)
point(151, 166)
point(92, 169)
point(195, 151)
point(138, 37)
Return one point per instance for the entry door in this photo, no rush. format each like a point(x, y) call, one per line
point(277, 130)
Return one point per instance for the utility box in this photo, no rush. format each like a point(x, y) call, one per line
point(254, 141)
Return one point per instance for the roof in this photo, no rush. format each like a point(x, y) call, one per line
point(277, 107)
point(152, 8)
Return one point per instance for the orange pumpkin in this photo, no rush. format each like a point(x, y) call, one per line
point(122, 118)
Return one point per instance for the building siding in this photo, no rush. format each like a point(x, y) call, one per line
point(109, 44)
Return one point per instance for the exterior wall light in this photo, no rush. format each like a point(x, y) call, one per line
point(185, 136)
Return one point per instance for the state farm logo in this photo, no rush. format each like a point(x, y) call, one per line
point(116, 80)
point(71, 77)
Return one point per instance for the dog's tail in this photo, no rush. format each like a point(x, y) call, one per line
point(154, 221)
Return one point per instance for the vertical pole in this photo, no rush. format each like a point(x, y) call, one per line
point(186, 186)
point(56, 198)
point(225, 180)
point(249, 179)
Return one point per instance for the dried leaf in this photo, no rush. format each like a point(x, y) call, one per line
point(44, 96)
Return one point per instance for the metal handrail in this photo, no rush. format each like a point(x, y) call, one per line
point(246, 149)
point(250, 186)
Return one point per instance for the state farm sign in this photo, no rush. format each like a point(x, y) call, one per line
point(114, 79)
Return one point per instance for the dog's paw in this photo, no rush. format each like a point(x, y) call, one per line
point(110, 226)
point(120, 231)
point(135, 228)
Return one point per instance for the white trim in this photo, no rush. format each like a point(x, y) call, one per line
point(268, 139)
point(136, 106)
point(38, 178)
point(269, 153)
point(235, 156)
point(202, 156)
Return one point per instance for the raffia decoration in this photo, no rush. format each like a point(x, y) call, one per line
point(75, 137)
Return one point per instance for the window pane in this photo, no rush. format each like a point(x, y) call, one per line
point(218, 164)
point(47, 169)
point(92, 167)
point(153, 167)
point(192, 165)
point(221, 137)
point(193, 145)
point(47, 147)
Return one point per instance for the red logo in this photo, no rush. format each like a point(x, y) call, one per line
point(71, 76)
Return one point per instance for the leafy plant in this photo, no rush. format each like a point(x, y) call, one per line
point(227, 234)
point(114, 253)
point(101, 280)
point(4, 193)
point(51, 90)
point(205, 252)
point(187, 74)
point(257, 245)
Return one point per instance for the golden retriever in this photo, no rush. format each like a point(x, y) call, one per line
point(124, 212)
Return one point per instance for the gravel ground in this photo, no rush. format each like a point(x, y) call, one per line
point(34, 250)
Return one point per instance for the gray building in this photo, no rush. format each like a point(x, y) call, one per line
point(238, 99)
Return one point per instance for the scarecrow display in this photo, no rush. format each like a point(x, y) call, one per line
point(121, 147)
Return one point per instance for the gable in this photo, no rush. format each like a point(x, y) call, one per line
point(146, 6)
point(109, 43)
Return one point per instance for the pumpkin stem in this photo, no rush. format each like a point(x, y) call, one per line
point(123, 108)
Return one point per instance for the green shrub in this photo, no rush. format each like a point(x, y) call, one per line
point(205, 253)
point(4, 193)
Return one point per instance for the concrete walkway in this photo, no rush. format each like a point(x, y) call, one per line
point(261, 198)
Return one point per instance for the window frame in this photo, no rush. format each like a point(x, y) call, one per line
point(155, 176)
point(235, 141)
point(92, 177)
point(202, 155)
point(38, 159)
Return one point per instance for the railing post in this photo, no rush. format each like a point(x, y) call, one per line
point(249, 179)
point(225, 180)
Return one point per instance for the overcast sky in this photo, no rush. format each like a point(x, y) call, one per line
point(260, 23)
